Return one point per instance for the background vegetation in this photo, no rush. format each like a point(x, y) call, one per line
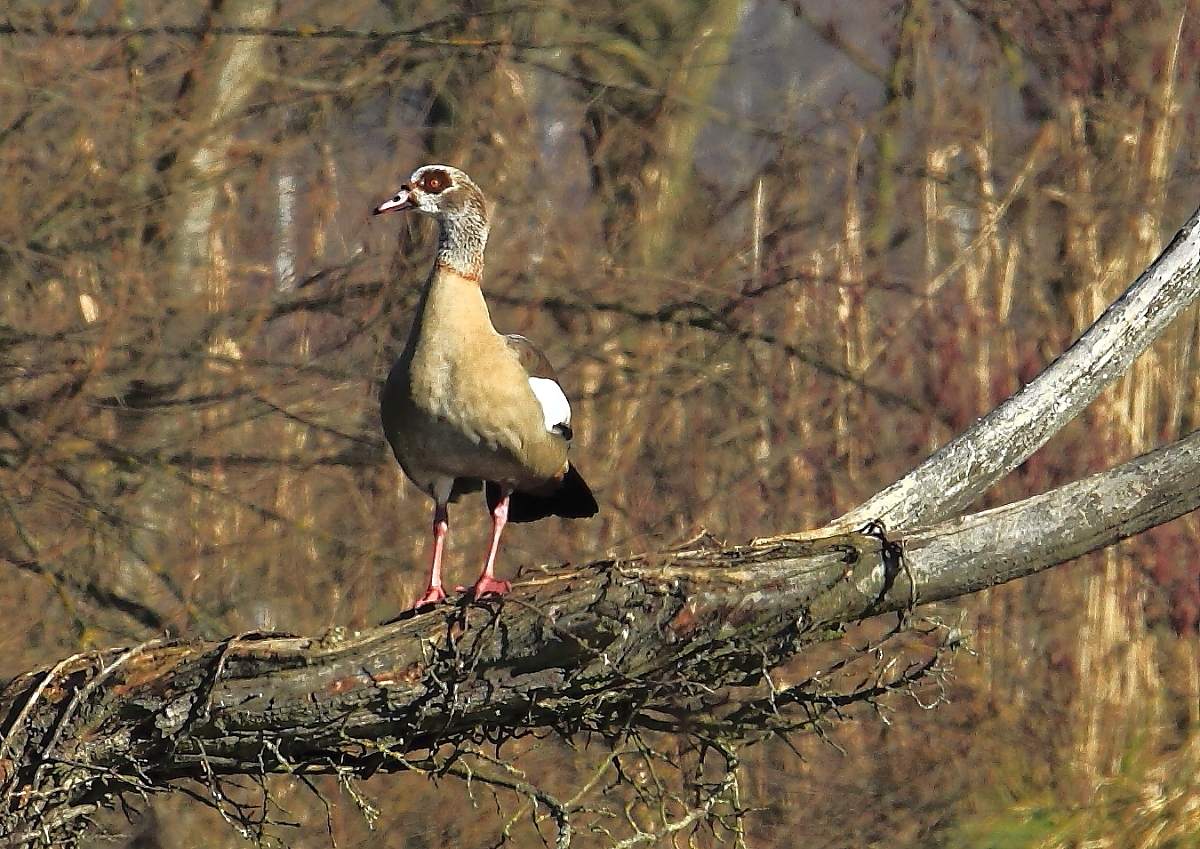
point(777, 251)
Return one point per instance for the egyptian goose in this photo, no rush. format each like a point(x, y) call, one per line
point(464, 405)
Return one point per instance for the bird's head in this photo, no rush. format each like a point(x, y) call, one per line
point(449, 197)
point(441, 192)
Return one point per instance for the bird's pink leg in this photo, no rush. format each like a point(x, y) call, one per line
point(488, 583)
point(441, 526)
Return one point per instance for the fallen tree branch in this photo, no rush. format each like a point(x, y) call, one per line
point(601, 648)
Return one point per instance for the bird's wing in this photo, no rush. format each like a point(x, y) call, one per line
point(556, 410)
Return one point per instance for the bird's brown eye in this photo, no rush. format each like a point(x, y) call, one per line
point(435, 181)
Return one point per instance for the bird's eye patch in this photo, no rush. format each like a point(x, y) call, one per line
point(435, 181)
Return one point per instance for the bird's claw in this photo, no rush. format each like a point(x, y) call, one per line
point(487, 584)
point(432, 596)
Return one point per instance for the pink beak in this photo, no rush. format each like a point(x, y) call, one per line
point(403, 200)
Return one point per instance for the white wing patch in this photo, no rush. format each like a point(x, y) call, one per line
point(555, 407)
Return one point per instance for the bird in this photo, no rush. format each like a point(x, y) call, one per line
point(466, 407)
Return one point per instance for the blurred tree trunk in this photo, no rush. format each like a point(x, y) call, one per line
point(230, 69)
point(647, 85)
point(213, 96)
point(688, 91)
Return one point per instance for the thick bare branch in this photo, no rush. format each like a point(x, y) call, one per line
point(604, 648)
point(958, 473)
point(996, 546)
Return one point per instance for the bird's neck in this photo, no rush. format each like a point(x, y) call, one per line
point(460, 245)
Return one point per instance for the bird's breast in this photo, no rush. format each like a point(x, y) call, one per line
point(469, 414)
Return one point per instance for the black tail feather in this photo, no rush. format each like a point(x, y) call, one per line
point(572, 500)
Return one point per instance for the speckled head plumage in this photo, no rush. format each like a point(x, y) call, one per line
point(451, 198)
